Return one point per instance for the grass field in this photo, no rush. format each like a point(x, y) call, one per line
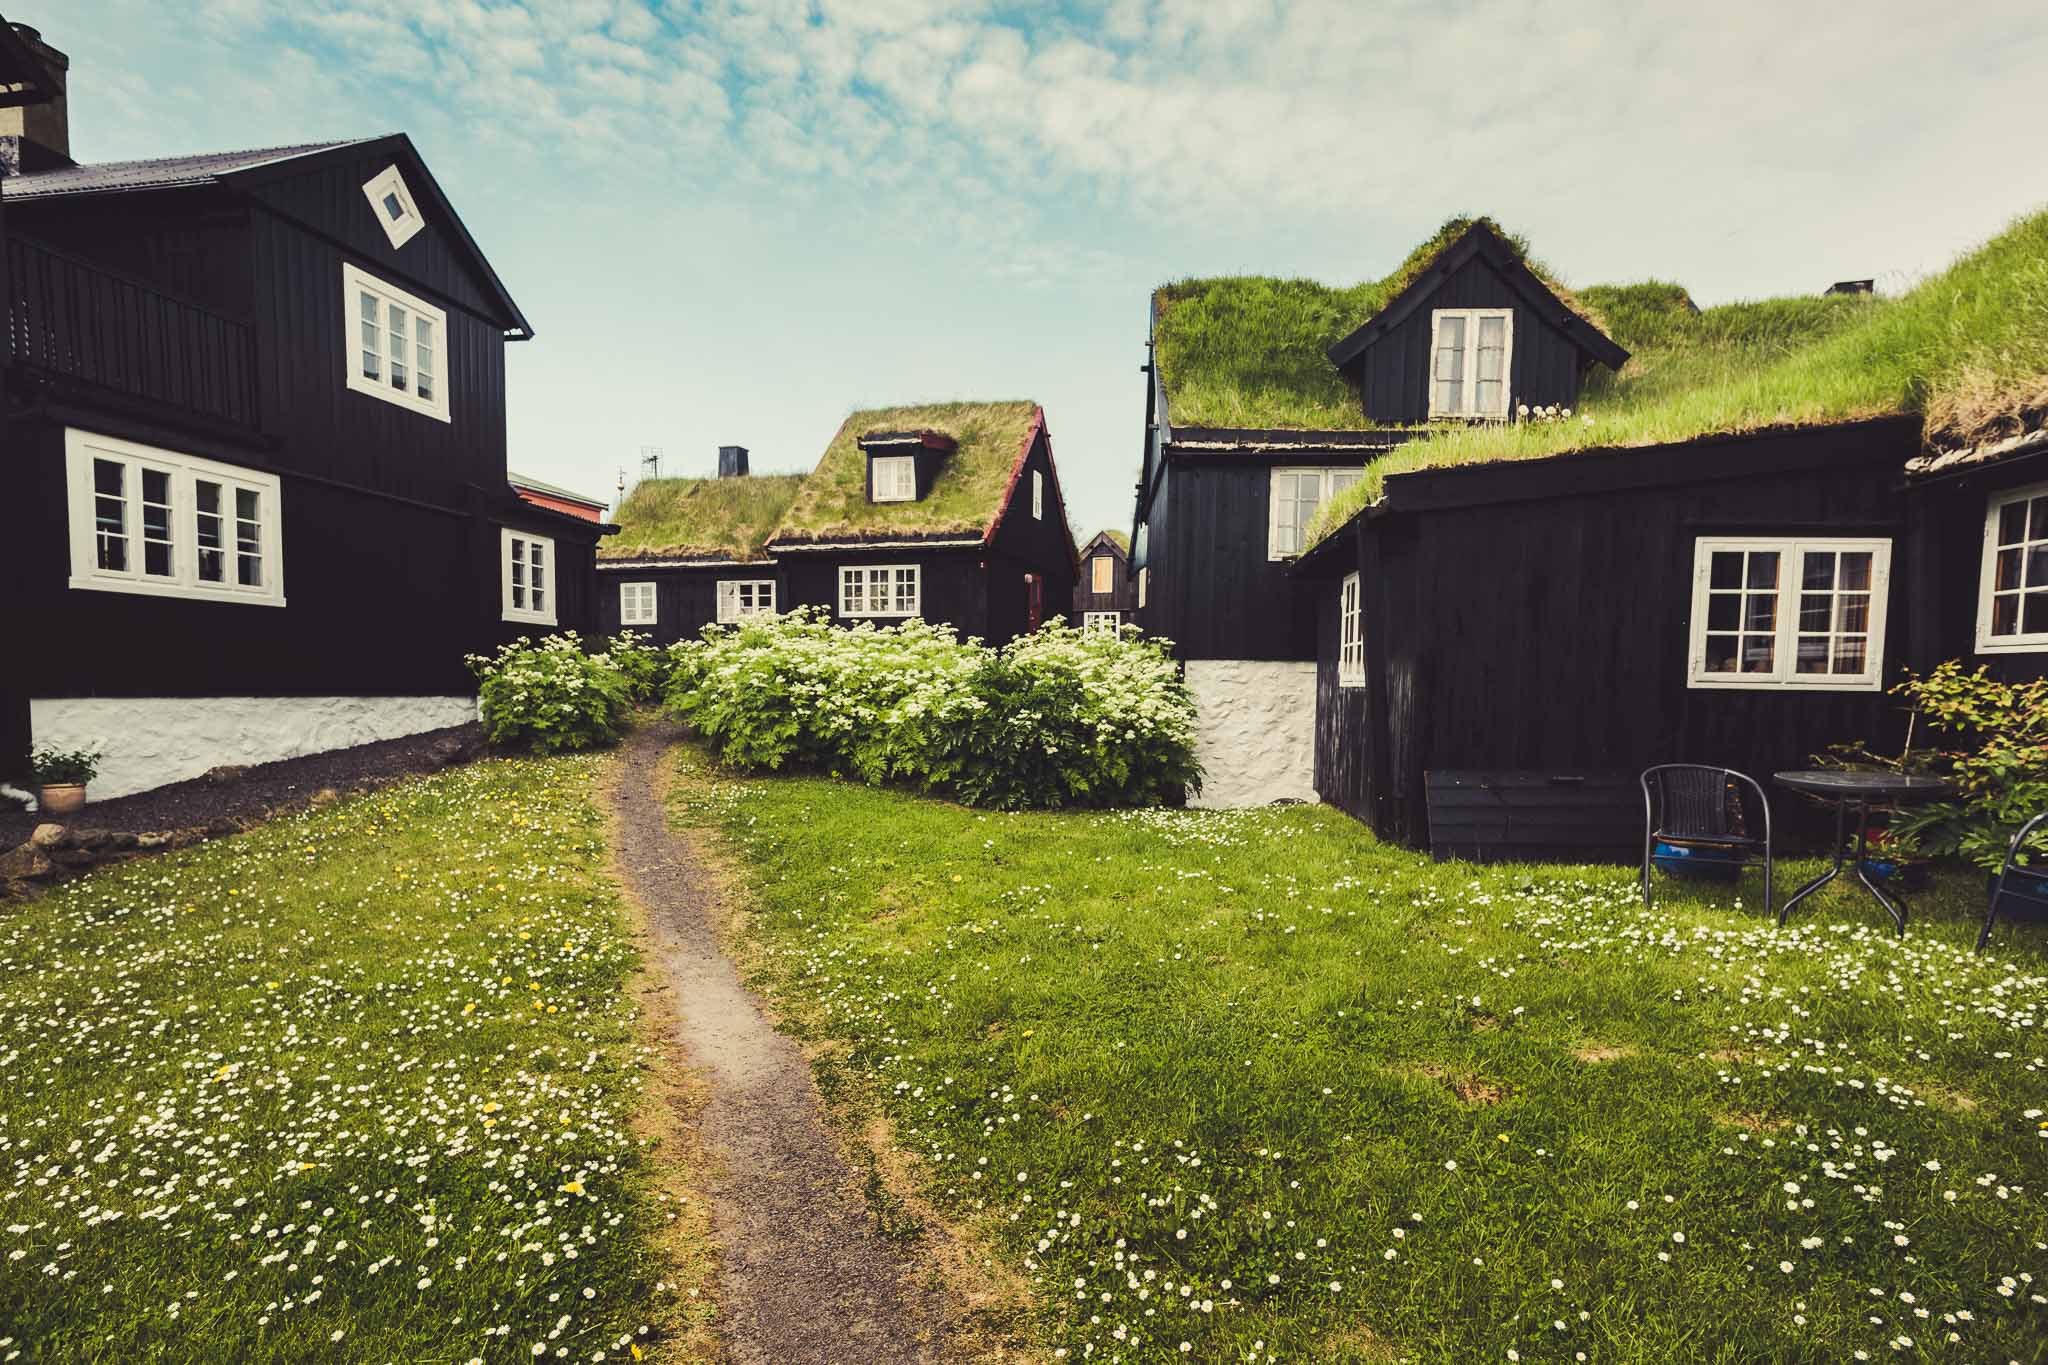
point(360, 1085)
point(1248, 1086)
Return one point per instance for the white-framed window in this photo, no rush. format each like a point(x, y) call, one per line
point(1470, 357)
point(166, 524)
point(895, 478)
point(1350, 635)
point(1110, 621)
point(397, 344)
point(529, 577)
point(1037, 496)
point(879, 590)
point(739, 598)
point(1296, 494)
point(393, 204)
point(2012, 606)
point(1102, 574)
point(1144, 584)
point(636, 604)
point(1788, 612)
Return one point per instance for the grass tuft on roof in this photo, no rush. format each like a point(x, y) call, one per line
point(1251, 350)
point(700, 518)
point(833, 502)
point(1967, 348)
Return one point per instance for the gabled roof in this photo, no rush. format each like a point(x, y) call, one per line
point(1480, 239)
point(705, 521)
point(24, 77)
point(1118, 539)
point(965, 501)
point(518, 480)
point(248, 170)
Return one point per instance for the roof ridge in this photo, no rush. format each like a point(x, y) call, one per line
point(293, 147)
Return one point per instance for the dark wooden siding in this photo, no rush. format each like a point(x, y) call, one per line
point(1946, 520)
point(1122, 596)
point(685, 597)
point(1392, 377)
point(1213, 591)
point(1551, 634)
point(953, 583)
point(1024, 544)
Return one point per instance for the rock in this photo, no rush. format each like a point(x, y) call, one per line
point(120, 838)
point(91, 840)
point(224, 825)
point(326, 796)
point(74, 857)
point(24, 862)
point(449, 750)
point(224, 774)
point(48, 836)
point(161, 839)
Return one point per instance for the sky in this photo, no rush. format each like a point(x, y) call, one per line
point(735, 222)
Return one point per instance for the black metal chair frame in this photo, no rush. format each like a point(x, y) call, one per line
point(1998, 891)
point(1741, 844)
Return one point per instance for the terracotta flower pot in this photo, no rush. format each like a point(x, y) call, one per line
point(62, 798)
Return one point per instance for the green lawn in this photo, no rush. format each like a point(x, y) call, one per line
point(360, 1085)
point(1251, 1086)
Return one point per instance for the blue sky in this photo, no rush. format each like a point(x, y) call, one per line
point(734, 222)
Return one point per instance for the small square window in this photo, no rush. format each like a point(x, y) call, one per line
point(1471, 352)
point(895, 478)
point(636, 604)
point(2012, 603)
point(1108, 622)
point(1295, 496)
point(1037, 496)
point(879, 590)
point(740, 598)
point(1771, 612)
point(393, 205)
point(1102, 574)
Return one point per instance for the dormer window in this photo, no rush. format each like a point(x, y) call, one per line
point(1469, 356)
point(393, 204)
point(895, 478)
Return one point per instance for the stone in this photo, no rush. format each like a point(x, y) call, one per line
point(74, 857)
point(1255, 731)
point(91, 840)
point(326, 796)
point(48, 836)
point(159, 839)
point(25, 862)
point(224, 774)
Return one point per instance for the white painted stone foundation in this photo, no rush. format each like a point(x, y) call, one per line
point(1255, 731)
point(152, 741)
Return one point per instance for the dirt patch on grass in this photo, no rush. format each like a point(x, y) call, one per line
point(1468, 1087)
point(1357, 1344)
point(1754, 1122)
point(1595, 1053)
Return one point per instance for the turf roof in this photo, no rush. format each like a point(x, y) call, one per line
point(833, 502)
point(1252, 350)
point(1967, 349)
point(700, 518)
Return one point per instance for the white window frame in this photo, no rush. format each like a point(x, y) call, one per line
point(546, 580)
point(356, 282)
point(639, 603)
point(1350, 634)
point(1102, 574)
point(1284, 539)
point(856, 603)
point(390, 184)
point(1110, 621)
point(2022, 642)
point(184, 473)
point(741, 599)
point(1469, 382)
point(1037, 496)
point(1144, 585)
point(1784, 674)
point(901, 484)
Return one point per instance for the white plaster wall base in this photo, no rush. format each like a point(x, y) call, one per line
point(151, 741)
point(1255, 731)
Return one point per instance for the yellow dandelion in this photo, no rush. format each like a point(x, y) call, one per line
point(470, 1008)
point(573, 1187)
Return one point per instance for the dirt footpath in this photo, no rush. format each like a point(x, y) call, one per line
point(806, 1275)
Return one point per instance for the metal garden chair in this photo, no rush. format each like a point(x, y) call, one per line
point(2034, 892)
point(1701, 807)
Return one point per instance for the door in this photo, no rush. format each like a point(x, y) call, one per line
point(1034, 599)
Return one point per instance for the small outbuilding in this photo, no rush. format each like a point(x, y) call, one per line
point(1105, 597)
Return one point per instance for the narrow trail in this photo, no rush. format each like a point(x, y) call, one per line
point(806, 1276)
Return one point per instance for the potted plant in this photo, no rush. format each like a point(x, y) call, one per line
point(61, 777)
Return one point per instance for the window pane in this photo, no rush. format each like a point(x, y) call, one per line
point(1726, 571)
point(2037, 528)
point(2012, 523)
point(2037, 567)
point(1850, 651)
point(156, 523)
point(1721, 653)
point(1724, 611)
point(2034, 614)
point(1763, 568)
point(1855, 571)
point(1819, 571)
point(2005, 614)
point(1854, 612)
point(109, 513)
point(398, 347)
point(1758, 652)
point(2007, 574)
point(1813, 654)
point(1760, 611)
point(423, 357)
point(212, 557)
point(392, 208)
point(1813, 610)
point(248, 537)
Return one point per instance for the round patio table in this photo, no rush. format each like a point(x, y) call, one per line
point(1858, 790)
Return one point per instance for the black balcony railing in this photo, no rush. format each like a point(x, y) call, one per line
point(69, 319)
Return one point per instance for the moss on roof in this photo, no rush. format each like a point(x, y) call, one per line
point(700, 518)
point(1967, 348)
point(1119, 538)
point(833, 502)
point(1251, 350)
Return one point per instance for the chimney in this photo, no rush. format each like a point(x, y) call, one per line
point(37, 137)
point(1853, 287)
point(732, 462)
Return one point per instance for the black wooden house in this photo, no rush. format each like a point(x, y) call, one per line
point(254, 488)
point(1243, 445)
point(1105, 595)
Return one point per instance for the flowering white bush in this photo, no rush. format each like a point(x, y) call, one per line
point(554, 693)
point(1059, 717)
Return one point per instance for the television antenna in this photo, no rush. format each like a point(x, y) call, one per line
point(650, 462)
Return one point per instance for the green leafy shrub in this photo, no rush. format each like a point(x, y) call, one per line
point(552, 694)
point(59, 767)
point(1999, 765)
point(643, 665)
point(1060, 717)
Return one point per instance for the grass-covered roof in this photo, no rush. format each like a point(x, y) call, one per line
point(833, 502)
point(700, 518)
point(1251, 350)
point(1967, 349)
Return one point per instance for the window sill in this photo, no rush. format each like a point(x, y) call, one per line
point(1347, 683)
point(527, 618)
point(140, 587)
point(2022, 644)
point(1784, 685)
